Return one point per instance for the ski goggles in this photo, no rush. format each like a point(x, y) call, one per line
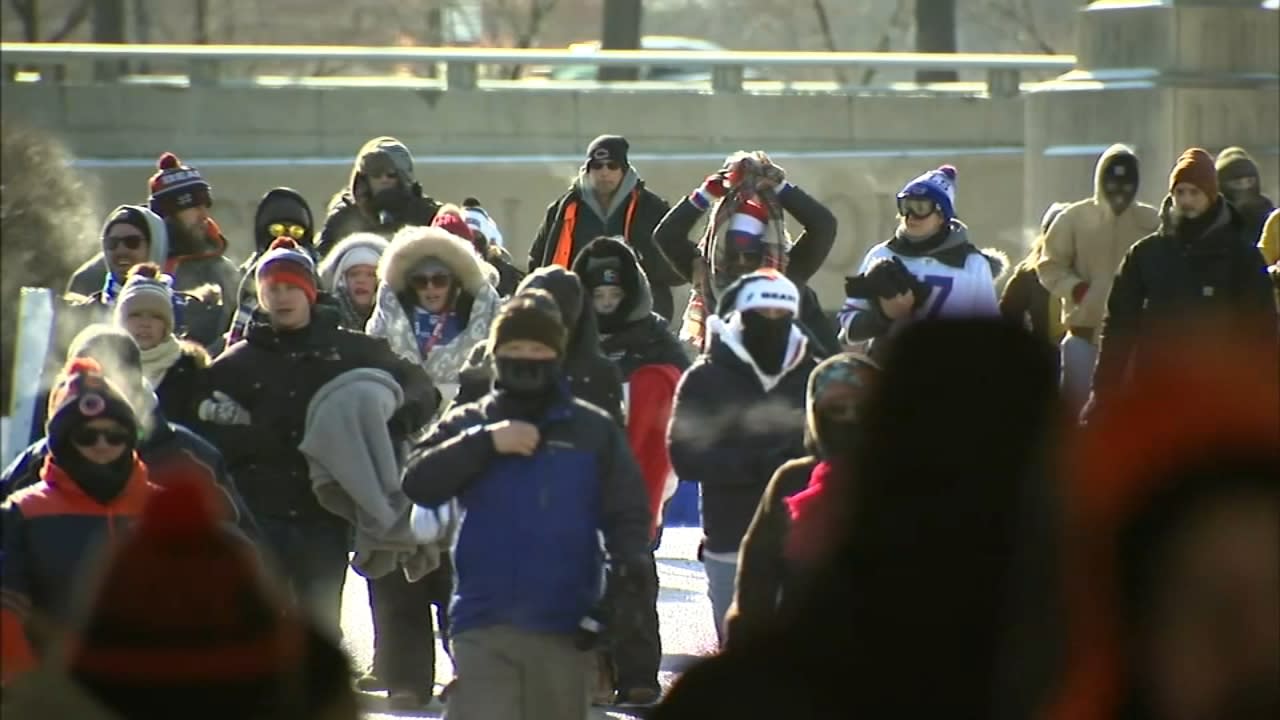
point(297, 232)
point(918, 207)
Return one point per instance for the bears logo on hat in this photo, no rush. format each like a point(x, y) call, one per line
point(176, 187)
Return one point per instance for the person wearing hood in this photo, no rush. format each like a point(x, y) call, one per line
point(132, 234)
point(929, 269)
point(591, 376)
point(382, 196)
point(608, 198)
point(540, 476)
point(746, 199)
point(1197, 263)
point(350, 275)
point(261, 389)
point(175, 368)
point(651, 361)
point(487, 238)
point(169, 450)
point(92, 484)
point(1242, 187)
point(282, 212)
point(795, 523)
point(1173, 539)
point(1024, 300)
point(739, 415)
point(1082, 251)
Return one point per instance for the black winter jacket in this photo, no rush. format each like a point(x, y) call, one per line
point(184, 385)
point(645, 342)
point(1178, 273)
point(650, 209)
point(346, 217)
point(274, 375)
point(730, 434)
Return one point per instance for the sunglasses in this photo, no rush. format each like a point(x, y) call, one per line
point(422, 282)
point(297, 232)
point(88, 437)
point(598, 165)
point(917, 207)
point(392, 174)
point(133, 242)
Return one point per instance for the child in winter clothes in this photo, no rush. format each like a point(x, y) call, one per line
point(350, 274)
point(175, 368)
point(539, 475)
point(435, 303)
point(91, 486)
point(651, 361)
point(739, 415)
point(928, 269)
point(798, 519)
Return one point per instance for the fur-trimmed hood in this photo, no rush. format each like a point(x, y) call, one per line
point(612, 252)
point(414, 244)
point(199, 356)
point(328, 269)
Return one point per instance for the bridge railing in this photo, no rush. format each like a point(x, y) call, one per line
point(463, 67)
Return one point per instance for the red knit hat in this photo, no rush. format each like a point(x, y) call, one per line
point(1196, 166)
point(286, 262)
point(453, 224)
point(184, 617)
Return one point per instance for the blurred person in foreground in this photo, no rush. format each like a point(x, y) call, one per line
point(786, 539)
point(1174, 551)
point(1196, 263)
point(182, 622)
point(938, 597)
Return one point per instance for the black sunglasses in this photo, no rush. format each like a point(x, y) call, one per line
point(88, 437)
point(133, 242)
point(422, 282)
point(611, 164)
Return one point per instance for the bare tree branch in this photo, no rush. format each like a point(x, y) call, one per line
point(538, 12)
point(26, 11)
point(898, 23)
point(74, 20)
point(824, 24)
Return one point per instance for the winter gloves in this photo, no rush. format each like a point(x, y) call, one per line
point(886, 278)
point(221, 409)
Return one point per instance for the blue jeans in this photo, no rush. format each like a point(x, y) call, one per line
point(721, 579)
point(310, 557)
point(1078, 358)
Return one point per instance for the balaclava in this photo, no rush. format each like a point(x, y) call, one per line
point(1238, 177)
point(284, 206)
point(531, 385)
point(1120, 181)
point(766, 339)
point(85, 395)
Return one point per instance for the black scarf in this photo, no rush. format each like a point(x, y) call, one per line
point(766, 340)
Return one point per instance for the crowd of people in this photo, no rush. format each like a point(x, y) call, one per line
point(1028, 474)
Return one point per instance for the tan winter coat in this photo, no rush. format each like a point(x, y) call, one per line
point(1086, 244)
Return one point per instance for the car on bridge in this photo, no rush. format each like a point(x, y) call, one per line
point(586, 72)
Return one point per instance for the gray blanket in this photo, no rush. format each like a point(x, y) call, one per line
point(355, 474)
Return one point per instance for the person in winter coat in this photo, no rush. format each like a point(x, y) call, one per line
point(434, 304)
point(1173, 539)
point(131, 234)
point(1082, 252)
point(350, 275)
point(170, 451)
point(539, 475)
point(797, 516)
point(739, 415)
point(651, 361)
point(1197, 263)
point(175, 368)
point(591, 376)
point(929, 269)
point(1025, 301)
point(487, 238)
point(91, 486)
point(956, 510)
point(746, 199)
point(262, 387)
point(195, 250)
point(1242, 187)
point(282, 212)
point(382, 196)
point(608, 198)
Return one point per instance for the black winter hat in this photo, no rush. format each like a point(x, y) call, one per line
point(85, 394)
point(565, 288)
point(1122, 167)
point(530, 314)
point(282, 205)
point(609, 147)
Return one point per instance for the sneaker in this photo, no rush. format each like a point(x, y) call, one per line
point(638, 697)
point(370, 682)
point(407, 700)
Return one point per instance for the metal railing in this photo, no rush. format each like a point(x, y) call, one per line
point(209, 64)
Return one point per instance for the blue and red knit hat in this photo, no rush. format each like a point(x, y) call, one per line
point(286, 262)
point(937, 185)
point(176, 187)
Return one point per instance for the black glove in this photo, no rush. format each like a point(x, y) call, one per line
point(886, 278)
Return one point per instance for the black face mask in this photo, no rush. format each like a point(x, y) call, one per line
point(835, 437)
point(524, 377)
point(392, 200)
point(100, 482)
point(766, 339)
point(1119, 200)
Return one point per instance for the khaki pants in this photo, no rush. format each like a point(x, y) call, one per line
point(504, 673)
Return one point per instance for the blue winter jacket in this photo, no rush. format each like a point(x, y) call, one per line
point(527, 553)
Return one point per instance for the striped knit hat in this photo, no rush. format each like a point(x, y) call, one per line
point(176, 187)
point(146, 288)
point(184, 619)
point(285, 261)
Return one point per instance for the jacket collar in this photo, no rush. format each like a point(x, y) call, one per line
point(131, 498)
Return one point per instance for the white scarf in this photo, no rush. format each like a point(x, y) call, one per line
point(157, 361)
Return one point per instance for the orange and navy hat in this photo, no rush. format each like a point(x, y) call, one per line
point(286, 262)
